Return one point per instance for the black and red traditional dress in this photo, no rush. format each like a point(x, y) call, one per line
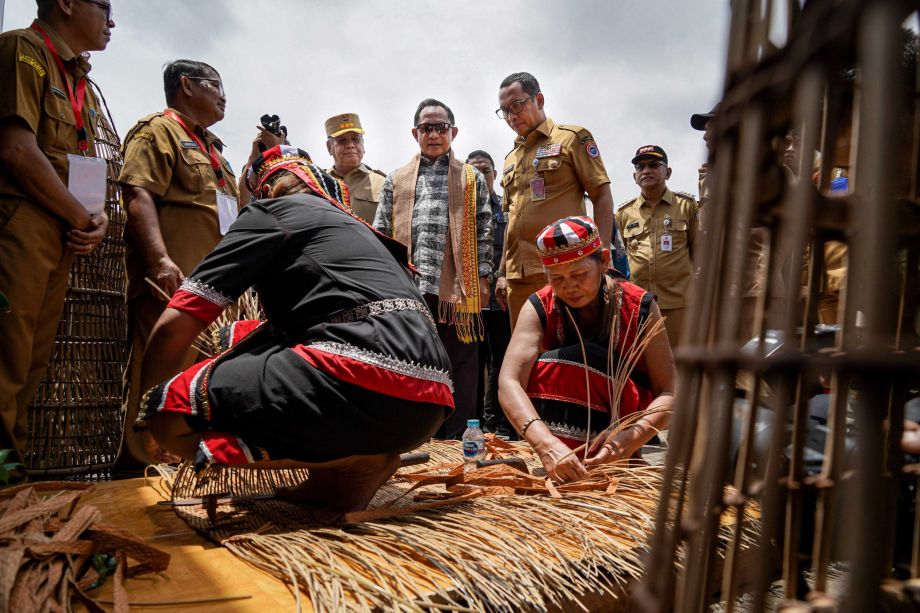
point(557, 385)
point(348, 361)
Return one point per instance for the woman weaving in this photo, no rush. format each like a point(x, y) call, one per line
point(572, 415)
point(347, 371)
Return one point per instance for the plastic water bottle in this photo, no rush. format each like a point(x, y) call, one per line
point(474, 444)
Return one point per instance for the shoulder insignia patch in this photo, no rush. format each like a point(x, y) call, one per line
point(591, 148)
point(145, 135)
point(31, 61)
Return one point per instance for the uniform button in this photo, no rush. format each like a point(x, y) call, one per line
point(634, 244)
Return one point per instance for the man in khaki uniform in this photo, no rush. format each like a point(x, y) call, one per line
point(180, 196)
point(345, 143)
point(544, 178)
point(660, 230)
point(42, 225)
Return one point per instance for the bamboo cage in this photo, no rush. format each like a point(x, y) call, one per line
point(835, 499)
point(75, 419)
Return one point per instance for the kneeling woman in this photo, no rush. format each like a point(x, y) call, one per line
point(347, 371)
point(585, 314)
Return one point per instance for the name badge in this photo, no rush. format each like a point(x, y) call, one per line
point(86, 180)
point(537, 189)
point(666, 243)
point(189, 144)
point(227, 210)
point(59, 93)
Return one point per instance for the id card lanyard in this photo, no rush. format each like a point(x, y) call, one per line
point(76, 99)
point(226, 204)
point(211, 153)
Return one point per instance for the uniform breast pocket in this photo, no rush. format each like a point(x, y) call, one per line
point(678, 233)
point(507, 186)
point(363, 193)
point(194, 172)
point(635, 238)
point(61, 129)
point(553, 172)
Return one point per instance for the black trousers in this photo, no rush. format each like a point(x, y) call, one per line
point(492, 352)
point(464, 364)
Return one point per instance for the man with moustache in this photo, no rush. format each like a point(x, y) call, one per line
point(345, 143)
point(47, 139)
point(180, 196)
point(438, 207)
point(660, 229)
point(545, 178)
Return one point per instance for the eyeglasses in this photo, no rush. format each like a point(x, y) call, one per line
point(428, 128)
point(215, 83)
point(351, 137)
point(651, 165)
point(516, 107)
point(105, 6)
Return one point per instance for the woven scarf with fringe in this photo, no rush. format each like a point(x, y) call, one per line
point(458, 294)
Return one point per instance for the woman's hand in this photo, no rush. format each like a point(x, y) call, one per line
point(560, 462)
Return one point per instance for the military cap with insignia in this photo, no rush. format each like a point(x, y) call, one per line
point(650, 152)
point(340, 124)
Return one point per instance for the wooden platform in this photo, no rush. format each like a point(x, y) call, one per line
point(199, 569)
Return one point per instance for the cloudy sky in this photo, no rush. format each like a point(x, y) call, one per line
point(632, 72)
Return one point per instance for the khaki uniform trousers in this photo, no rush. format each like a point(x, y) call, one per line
point(143, 313)
point(34, 271)
point(674, 324)
point(519, 290)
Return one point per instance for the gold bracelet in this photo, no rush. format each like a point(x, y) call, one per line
point(527, 424)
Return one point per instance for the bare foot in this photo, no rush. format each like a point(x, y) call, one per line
point(346, 485)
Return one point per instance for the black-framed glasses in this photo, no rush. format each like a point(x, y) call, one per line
point(105, 6)
point(652, 165)
point(428, 128)
point(215, 83)
point(514, 108)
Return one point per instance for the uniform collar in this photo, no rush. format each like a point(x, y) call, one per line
point(545, 128)
point(209, 137)
point(667, 197)
point(78, 64)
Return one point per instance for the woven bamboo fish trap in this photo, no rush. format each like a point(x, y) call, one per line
point(75, 420)
point(436, 538)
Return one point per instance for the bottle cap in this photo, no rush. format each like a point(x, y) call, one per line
point(472, 423)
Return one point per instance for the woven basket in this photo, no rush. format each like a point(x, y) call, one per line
point(75, 419)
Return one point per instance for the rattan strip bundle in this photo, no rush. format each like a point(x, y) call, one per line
point(75, 420)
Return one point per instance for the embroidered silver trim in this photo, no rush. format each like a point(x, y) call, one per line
point(571, 363)
point(166, 387)
point(204, 449)
point(207, 292)
point(569, 431)
point(381, 306)
point(192, 396)
point(409, 369)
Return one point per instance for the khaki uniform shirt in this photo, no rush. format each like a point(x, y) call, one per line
point(35, 91)
point(364, 185)
point(567, 160)
point(161, 158)
point(668, 274)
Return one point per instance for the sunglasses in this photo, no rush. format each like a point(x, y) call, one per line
point(652, 165)
point(428, 128)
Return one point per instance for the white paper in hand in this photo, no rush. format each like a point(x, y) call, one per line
point(227, 210)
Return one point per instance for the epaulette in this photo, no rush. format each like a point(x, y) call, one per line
point(627, 203)
point(688, 196)
point(143, 121)
point(571, 127)
point(379, 172)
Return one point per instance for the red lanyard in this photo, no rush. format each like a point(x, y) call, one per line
point(211, 153)
point(76, 101)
